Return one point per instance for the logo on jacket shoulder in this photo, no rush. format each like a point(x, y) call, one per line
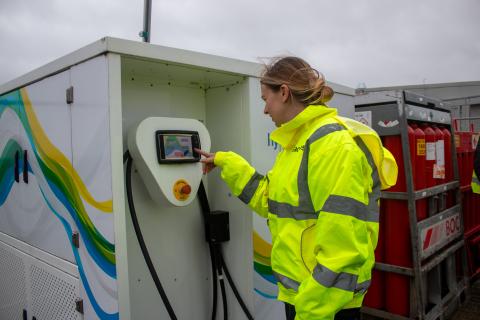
point(299, 148)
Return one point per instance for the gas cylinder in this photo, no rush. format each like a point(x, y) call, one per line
point(448, 154)
point(397, 229)
point(448, 164)
point(439, 166)
point(419, 177)
point(430, 162)
point(375, 297)
point(430, 154)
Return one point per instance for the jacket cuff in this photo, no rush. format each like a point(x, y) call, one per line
point(220, 157)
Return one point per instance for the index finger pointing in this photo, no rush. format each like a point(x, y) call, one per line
point(203, 153)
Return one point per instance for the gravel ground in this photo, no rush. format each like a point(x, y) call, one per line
point(471, 310)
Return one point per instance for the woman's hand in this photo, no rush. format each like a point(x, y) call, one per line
point(208, 161)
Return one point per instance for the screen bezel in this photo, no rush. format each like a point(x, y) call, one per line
point(195, 138)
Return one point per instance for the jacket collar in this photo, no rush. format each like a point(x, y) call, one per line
point(287, 131)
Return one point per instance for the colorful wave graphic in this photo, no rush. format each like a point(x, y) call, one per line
point(64, 182)
point(7, 175)
point(262, 264)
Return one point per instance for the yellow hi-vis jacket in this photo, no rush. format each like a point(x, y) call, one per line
point(475, 183)
point(321, 201)
point(476, 170)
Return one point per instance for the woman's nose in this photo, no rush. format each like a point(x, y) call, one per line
point(265, 110)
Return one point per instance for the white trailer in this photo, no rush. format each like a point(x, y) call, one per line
point(67, 245)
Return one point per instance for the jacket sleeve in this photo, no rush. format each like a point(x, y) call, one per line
point(245, 183)
point(339, 181)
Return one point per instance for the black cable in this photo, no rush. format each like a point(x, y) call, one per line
point(126, 155)
point(141, 242)
point(202, 195)
point(221, 280)
point(217, 261)
point(234, 288)
point(216, 250)
point(214, 278)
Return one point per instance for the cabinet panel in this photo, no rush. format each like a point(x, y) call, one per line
point(35, 288)
point(92, 164)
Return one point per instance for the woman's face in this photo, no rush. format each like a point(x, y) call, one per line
point(275, 104)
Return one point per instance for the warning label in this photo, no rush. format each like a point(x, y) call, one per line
point(364, 117)
point(457, 140)
point(439, 234)
point(420, 147)
point(439, 166)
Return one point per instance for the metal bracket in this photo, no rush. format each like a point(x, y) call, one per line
point(69, 95)
point(79, 305)
point(76, 239)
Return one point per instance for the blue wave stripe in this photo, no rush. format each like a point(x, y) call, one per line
point(109, 268)
point(270, 278)
point(263, 294)
point(6, 185)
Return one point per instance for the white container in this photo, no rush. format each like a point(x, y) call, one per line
point(76, 183)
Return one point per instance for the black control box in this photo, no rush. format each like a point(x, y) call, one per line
point(218, 228)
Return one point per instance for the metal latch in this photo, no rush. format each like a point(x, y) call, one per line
point(70, 95)
point(79, 305)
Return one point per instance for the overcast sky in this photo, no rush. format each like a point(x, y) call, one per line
point(377, 42)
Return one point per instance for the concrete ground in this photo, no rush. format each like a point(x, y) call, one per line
point(471, 309)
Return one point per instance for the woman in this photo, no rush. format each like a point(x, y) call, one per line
point(320, 197)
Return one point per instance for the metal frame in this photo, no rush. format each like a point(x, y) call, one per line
point(412, 106)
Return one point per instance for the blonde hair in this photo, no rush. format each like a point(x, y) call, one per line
point(306, 84)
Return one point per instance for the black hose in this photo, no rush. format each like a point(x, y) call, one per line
point(221, 280)
point(214, 278)
point(202, 196)
point(141, 242)
point(224, 296)
point(234, 288)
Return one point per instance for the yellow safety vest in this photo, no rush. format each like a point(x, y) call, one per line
point(321, 199)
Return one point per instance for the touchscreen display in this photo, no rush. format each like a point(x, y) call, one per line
point(178, 146)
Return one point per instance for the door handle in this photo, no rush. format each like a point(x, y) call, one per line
point(25, 166)
point(16, 169)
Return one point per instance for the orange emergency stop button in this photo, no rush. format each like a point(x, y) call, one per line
point(182, 190)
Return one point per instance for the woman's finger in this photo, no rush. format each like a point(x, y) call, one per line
point(203, 153)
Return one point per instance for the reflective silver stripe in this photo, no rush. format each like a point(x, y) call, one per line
point(350, 207)
point(363, 287)
point(285, 210)
point(305, 209)
point(324, 130)
point(250, 188)
point(374, 196)
point(286, 281)
point(330, 279)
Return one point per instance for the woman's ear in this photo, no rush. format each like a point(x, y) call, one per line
point(284, 92)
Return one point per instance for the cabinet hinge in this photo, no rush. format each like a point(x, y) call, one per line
point(79, 305)
point(76, 239)
point(70, 95)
